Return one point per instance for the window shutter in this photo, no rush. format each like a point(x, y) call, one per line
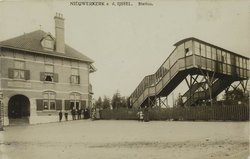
point(67, 104)
point(11, 73)
point(58, 104)
point(39, 104)
point(78, 79)
point(42, 76)
point(70, 78)
point(55, 77)
point(83, 104)
point(27, 74)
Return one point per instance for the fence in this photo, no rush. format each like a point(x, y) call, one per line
point(218, 112)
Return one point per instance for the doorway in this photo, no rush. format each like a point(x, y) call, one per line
point(19, 108)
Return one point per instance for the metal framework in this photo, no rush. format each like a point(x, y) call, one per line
point(217, 67)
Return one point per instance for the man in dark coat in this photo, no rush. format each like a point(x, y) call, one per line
point(79, 113)
point(60, 116)
point(146, 114)
point(73, 112)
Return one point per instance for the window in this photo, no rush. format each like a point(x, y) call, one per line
point(75, 78)
point(48, 44)
point(197, 48)
point(245, 63)
point(203, 51)
point(237, 61)
point(224, 57)
point(49, 73)
point(208, 50)
point(75, 100)
point(180, 51)
point(188, 52)
point(228, 58)
point(219, 55)
point(240, 61)
point(19, 72)
point(213, 53)
point(49, 102)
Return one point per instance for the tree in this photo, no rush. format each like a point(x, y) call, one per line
point(235, 95)
point(129, 103)
point(106, 103)
point(99, 103)
point(116, 100)
point(124, 102)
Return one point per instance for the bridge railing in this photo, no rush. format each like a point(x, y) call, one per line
point(192, 53)
point(168, 66)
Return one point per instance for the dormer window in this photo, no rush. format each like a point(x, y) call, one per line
point(48, 42)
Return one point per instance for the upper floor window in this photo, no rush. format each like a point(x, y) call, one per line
point(75, 78)
point(49, 73)
point(19, 72)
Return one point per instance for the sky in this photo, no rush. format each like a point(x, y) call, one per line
point(130, 42)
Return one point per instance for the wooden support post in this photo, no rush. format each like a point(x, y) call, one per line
point(159, 101)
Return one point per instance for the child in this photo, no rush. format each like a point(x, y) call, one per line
point(141, 115)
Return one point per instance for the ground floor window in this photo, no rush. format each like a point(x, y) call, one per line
point(75, 104)
point(49, 102)
point(75, 101)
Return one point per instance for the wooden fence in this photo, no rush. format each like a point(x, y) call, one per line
point(218, 112)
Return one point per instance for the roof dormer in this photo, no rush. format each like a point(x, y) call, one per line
point(48, 42)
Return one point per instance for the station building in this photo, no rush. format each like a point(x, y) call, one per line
point(41, 75)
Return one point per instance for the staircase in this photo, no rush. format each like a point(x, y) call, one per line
point(190, 58)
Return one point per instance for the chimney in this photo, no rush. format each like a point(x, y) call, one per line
point(59, 31)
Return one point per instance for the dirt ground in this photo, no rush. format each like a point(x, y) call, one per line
point(126, 139)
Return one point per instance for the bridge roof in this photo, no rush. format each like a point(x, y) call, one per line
point(212, 45)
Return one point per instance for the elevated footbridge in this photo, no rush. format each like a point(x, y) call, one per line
point(211, 69)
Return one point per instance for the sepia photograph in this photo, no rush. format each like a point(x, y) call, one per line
point(124, 79)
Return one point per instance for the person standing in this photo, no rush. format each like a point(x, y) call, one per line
point(141, 115)
point(66, 115)
point(73, 112)
point(146, 114)
point(79, 112)
point(60, 116)
point(93, 114)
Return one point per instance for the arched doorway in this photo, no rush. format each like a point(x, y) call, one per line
point(19, 108)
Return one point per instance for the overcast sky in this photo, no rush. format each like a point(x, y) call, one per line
point(128, 43)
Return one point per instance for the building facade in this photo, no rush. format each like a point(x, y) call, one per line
point(41, 75)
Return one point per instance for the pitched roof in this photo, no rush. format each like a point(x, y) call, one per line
point(32, 42)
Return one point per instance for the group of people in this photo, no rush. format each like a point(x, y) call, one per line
point(76, 114)
point(143, 114)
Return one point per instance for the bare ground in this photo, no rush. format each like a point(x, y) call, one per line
point(126, 139)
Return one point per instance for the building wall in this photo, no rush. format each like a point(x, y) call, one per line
point(33, 88)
